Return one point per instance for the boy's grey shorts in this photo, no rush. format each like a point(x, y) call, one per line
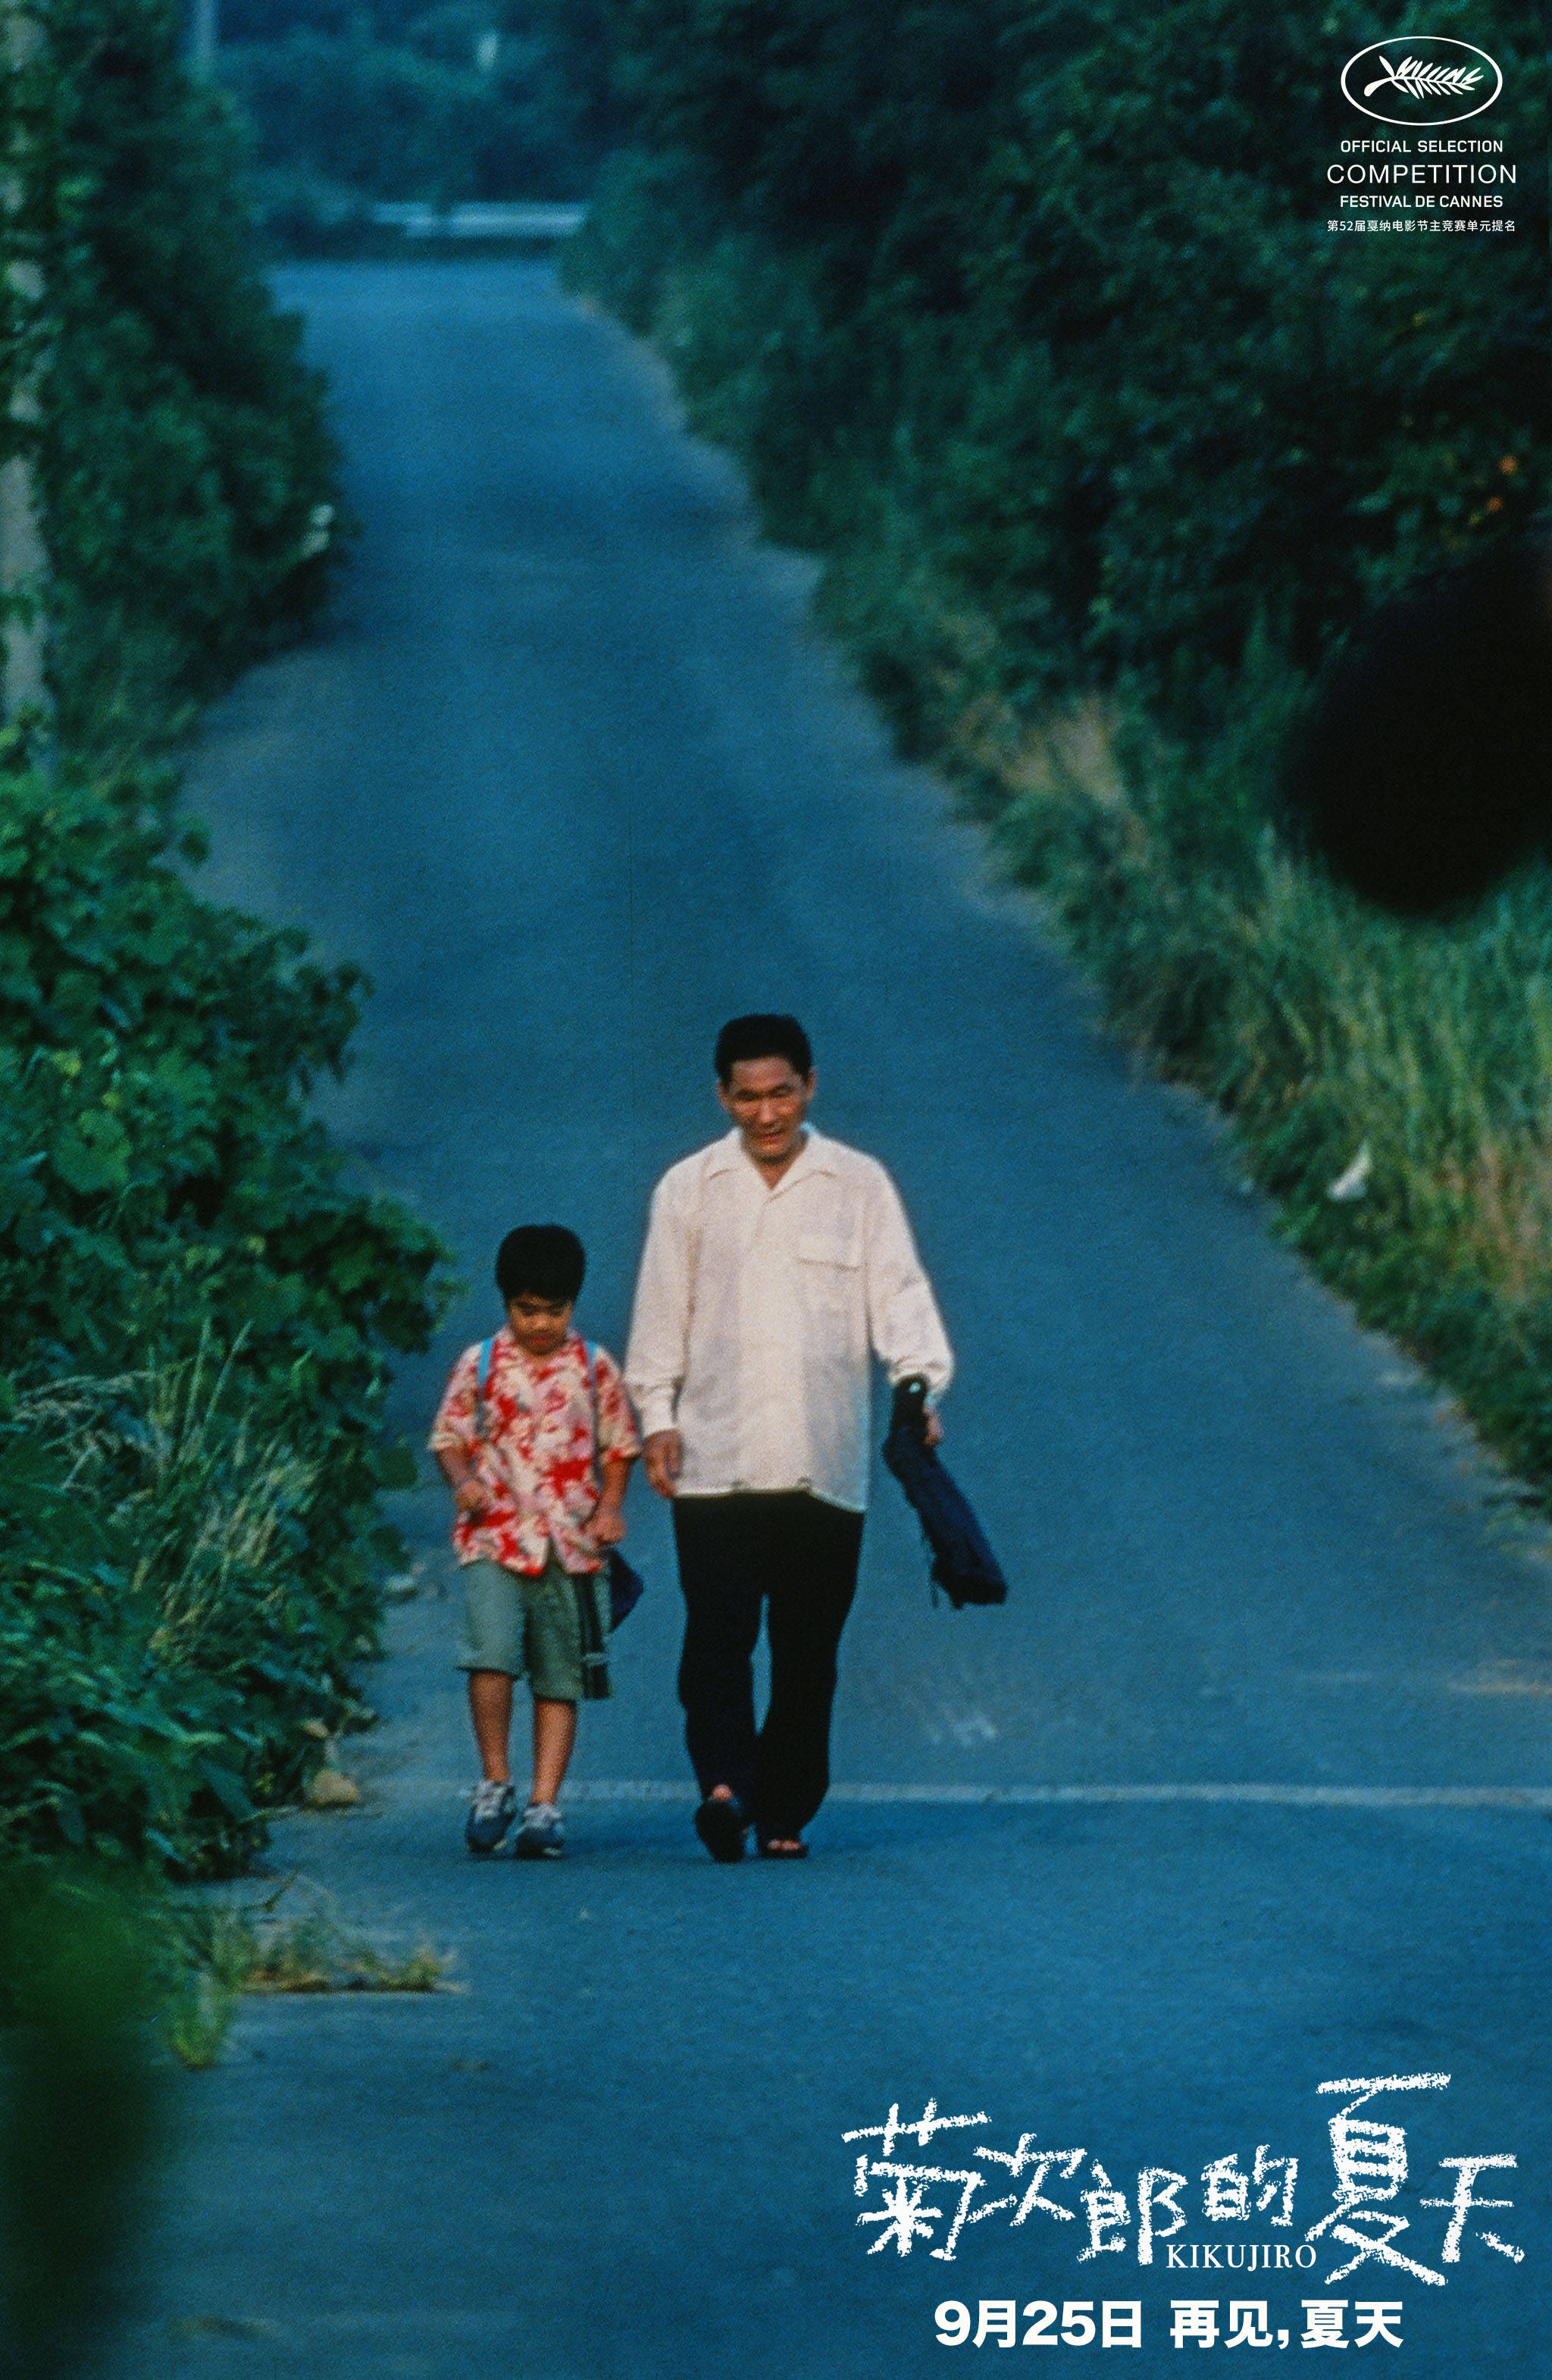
point(532, 1628)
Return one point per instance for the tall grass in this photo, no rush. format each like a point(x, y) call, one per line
point(1330, 1033)
point(170, 1660)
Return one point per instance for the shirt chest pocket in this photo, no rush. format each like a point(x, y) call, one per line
point(830, 1270)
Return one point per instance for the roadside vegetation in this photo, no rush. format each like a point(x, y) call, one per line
point(198, 1308)
point(457, 100)
point(185, 461)
point(223, 1951)
point(1025, 317)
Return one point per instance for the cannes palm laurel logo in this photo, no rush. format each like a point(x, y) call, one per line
point(1426, 79)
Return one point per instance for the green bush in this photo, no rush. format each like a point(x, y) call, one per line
point(188, 475)
point(197, 1307)
point(465, 100)
point(390, 122)
point(1064, 318)
point(163, 1191)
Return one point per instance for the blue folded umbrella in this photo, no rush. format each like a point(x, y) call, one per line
point(963, 1563)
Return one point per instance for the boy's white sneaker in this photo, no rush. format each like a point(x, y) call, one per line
point(541, 1834)
point(491, 1811)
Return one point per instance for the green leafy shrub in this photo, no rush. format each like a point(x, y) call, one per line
point(1043, 308)
point(162, 1188)
point(187, 472)
point(197, 1308)
point(387, 121)
point(394, 100)
point(158, 1167)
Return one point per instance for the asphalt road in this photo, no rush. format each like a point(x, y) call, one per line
point(1264, 1726)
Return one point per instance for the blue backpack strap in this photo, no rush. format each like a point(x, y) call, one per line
point(481, 1374)
point(591, 1354)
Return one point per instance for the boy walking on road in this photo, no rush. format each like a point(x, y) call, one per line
point(536, 1437)
point(776, 1263)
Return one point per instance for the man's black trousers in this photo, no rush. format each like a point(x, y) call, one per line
point(798, 1556)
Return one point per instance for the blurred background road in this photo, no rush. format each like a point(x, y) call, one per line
point(1266, 1719)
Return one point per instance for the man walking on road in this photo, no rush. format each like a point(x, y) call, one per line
point(775, 1261)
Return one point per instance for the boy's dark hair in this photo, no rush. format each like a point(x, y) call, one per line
point(545, 1259)
point(762, 1037)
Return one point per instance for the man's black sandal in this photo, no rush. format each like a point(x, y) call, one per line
point(722, 1826)
point(785, 1849)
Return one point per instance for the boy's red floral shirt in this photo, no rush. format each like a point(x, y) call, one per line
point(534, 1450)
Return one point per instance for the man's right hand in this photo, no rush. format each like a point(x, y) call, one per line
point(663, 1457)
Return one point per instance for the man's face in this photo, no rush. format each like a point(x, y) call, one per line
point(768, 1103)
point(538, 1324)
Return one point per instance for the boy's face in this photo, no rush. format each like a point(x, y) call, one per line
point(538, 1324)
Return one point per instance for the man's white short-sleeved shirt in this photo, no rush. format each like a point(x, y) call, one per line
point(757, 1310)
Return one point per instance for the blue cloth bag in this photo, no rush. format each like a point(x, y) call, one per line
point(963, 1563)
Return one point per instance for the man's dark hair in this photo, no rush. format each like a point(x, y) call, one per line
point(763, 1036)
point(542, 1259)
